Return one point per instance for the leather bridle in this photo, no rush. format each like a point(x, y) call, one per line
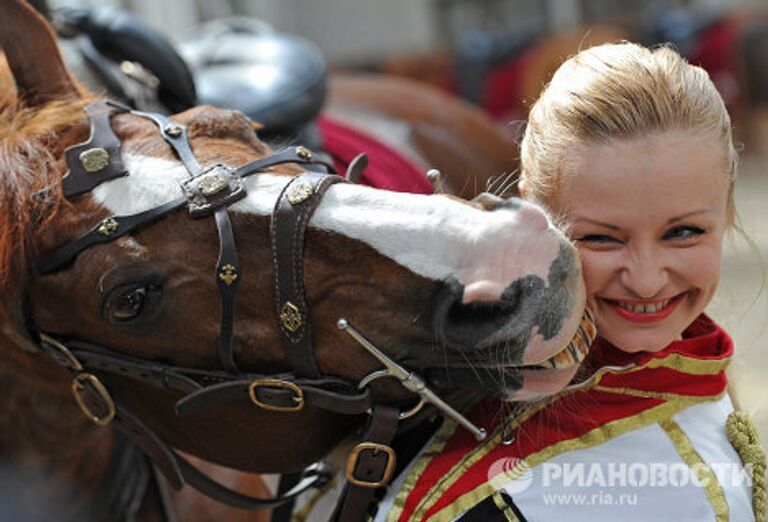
point(210, 191)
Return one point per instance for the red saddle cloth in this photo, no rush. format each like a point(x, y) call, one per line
point(387, 168)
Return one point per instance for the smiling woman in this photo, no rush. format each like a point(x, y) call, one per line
point(631, 150)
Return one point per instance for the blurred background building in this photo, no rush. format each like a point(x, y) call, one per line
point(365, 29)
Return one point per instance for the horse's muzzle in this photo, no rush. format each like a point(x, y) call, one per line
point(464, 326)
point(530, 310)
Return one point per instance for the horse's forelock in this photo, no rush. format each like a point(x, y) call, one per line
point(30, 141)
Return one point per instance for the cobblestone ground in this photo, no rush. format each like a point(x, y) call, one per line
point(741, 303)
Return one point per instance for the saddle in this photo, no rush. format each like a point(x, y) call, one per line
point(277, 79)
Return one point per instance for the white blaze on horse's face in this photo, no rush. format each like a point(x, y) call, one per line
point(437, 238)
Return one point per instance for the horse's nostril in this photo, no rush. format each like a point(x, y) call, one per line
point(479, 314)
point(488, 291)
point(464, 325)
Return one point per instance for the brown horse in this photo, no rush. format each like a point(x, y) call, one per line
point(134, 322)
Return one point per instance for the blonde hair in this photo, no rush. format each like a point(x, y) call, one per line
point(618, 92)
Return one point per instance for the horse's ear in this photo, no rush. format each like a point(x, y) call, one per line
point(33, 55)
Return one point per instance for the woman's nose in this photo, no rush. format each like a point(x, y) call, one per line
point(645, 275)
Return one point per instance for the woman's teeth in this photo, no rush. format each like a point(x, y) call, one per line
point(644, 309)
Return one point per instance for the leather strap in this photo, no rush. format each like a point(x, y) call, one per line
point(175, 134)
point(289, 155)
point(318, 394)
point(163, 498)
point(98, 159)
point(179, 472)
point(313, 477)
point(290, 218)
point(79, 356)
point(209, 388)
point(125, 224)
point(108, 230)
point(228, 277)
point(371, 463)
point(132, 428)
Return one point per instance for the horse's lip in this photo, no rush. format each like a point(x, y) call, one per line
point(576, 350)
point(572, 354)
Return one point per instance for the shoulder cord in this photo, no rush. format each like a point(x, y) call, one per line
point(742, 434)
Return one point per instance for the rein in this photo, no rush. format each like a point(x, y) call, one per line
point(210, 191)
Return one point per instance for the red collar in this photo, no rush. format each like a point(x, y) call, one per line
point(693, 366)
point(703, 340)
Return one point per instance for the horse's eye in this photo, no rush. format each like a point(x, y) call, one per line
point(126, 303)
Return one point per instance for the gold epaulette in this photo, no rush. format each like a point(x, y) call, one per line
point(742, 434)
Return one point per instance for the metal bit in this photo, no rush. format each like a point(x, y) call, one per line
point(356, 168)
point(436, 178)
point(410, 380)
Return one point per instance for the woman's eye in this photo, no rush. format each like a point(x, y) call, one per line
point(126, 304)
point(685, 232)
point(597, 239)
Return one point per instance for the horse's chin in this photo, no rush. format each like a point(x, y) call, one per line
point(541, 383)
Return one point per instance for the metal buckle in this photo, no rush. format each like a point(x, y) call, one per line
point(355, 456)
point(219, 186)
point(70, 361)
point(78, 385)
point(298, 394)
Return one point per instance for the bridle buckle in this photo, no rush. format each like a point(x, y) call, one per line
point(354, 459)
point(61, 353)
point(79, 384)
point(297, 398)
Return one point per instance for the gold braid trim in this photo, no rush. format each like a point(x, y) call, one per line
point(704, 473)
point(506, 509)
point(742, 435)
point(434, 448)
point(645, 394)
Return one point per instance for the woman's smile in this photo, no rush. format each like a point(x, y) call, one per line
point(644, 311)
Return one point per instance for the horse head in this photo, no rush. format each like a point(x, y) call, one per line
point(485, 296)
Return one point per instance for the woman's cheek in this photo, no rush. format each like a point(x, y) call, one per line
point(597, 268)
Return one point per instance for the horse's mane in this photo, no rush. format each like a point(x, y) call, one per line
point(30, 140)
